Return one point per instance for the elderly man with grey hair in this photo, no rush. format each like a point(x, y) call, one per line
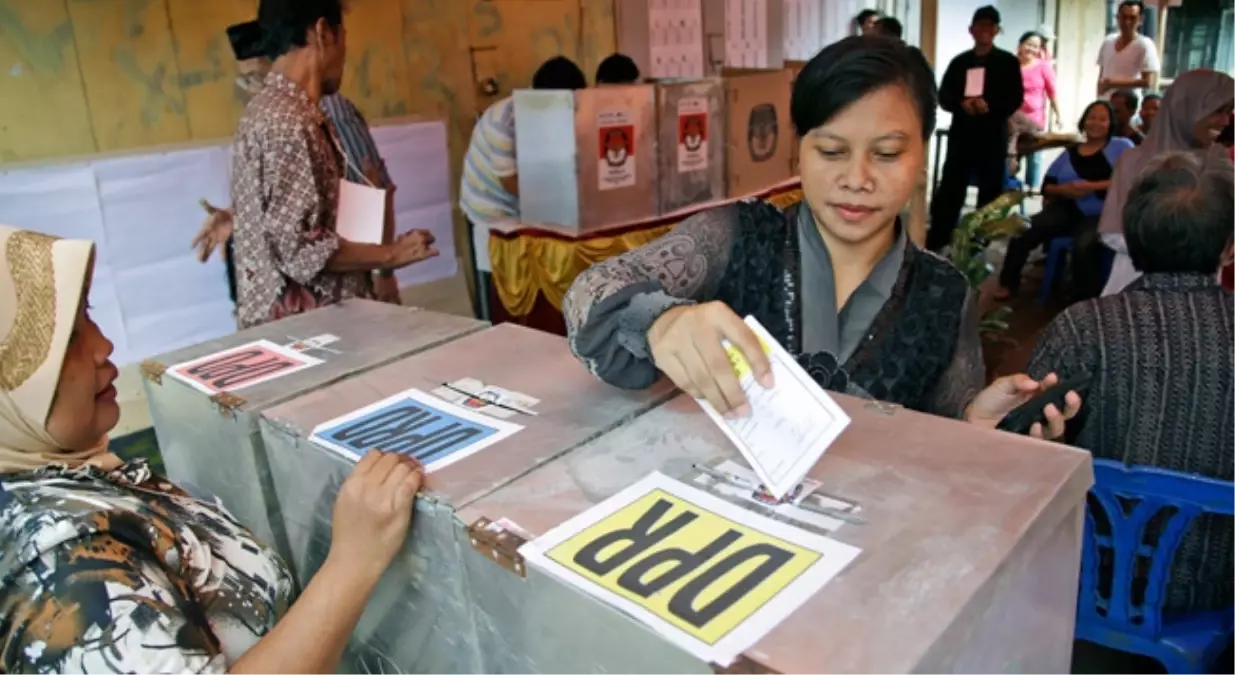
point(1160, 355)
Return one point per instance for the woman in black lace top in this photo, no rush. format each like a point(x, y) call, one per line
point(835, 279)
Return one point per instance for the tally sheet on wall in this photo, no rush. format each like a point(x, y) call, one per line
point(150, 295)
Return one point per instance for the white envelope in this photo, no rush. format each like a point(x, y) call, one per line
point(362, 213)
point(975, 80)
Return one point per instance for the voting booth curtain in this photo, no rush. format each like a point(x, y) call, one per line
point(530, 264)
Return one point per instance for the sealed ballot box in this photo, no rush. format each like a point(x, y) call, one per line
point(916, 544)
point(690, 116)
point(205, 400)
point(587, 158)
point(478, 412)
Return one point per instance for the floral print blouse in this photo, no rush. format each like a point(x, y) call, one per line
point(123, 572)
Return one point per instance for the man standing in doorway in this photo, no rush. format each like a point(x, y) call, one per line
point(286, 172)
point(1127, 60)
point(982, 88)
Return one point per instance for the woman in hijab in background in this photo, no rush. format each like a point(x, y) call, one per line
point(106, 568)
point(1196, 108)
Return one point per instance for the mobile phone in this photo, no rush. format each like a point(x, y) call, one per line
point(1021, 420)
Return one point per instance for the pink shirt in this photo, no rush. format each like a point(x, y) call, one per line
point(1039, 82)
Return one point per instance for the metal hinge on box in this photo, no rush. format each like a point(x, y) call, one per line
point(153, 371)
point(743, 665)
point(497, 544)
point(227, 403)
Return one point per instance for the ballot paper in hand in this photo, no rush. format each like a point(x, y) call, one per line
point(362, 213)
point(975, 81)
point(789, 427)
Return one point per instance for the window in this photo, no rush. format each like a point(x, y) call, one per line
point(1199, 34)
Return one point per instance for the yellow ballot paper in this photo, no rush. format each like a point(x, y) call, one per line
point(789, 427)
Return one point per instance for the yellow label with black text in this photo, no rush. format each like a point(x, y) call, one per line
point(738, 360)
point(691, 567)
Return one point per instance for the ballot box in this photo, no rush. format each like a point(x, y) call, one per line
point(479, 412)
point(587, 158)
point(690, 116)
point(205, 399)
point(948, 549)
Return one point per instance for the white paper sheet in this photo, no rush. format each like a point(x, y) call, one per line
point(418, 160)
point(975, 80)
point(789, 427)
point(362, 213)
point(820, 558)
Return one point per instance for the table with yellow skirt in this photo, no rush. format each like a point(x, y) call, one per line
point(533, 266)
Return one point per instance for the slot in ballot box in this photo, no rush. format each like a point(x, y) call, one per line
point(479, 412)
point(205, 399)
point(967, 560)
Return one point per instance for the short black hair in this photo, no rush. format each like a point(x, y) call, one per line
point(853, 67)
point(1140, 6)
point(1030, 34)
point(1151, 96)
point(285, 24)
point(559, 72)
point(1110, 112)
point(986, 13)
point(864, 16)
point(890, 26)
point(1129, 96)
point(246, 40)
point(617, 68)
point(1178, 216)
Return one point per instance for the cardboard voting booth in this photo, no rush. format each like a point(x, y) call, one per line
point(690, 117)
point(478, 412)
point(205, 399)
point(586, 158)
point(958, 552)
point(760, 135)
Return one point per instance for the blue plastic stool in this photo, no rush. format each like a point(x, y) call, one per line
point(1057, 251)
point(1182, 643)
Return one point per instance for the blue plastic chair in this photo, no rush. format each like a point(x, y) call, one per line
point(1182, 643)
point(1057, 251)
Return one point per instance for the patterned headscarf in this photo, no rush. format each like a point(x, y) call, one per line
point(42, 280)
point(1192, 97)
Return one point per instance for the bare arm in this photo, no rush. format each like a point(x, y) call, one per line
point(511, 184)
point(611, 306)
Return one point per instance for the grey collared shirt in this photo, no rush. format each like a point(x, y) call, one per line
point(824, 329)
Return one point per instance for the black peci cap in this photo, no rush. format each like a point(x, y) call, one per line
point(246, 39)
point(986, 13)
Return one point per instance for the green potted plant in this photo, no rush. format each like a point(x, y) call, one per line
point(999, 219)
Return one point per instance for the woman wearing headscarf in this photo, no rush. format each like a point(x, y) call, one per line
point(1196, 108)
point(107, 568)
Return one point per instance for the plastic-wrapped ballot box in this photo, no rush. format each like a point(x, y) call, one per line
point(479, 412)
point(205, 399)
point(948, 548)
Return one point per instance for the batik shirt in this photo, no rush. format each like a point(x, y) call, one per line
point(125, 573)
point(286, 168)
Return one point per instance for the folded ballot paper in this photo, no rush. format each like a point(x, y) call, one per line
point(789, 427)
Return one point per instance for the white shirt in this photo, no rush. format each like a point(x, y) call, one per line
point(1138, 56)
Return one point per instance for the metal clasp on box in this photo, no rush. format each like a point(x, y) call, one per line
point(153, 371)
point(497, 544)
point(743, 665)
point(227, 403)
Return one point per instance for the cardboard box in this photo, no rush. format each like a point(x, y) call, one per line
point(420, 617)
point(207, 423)
point(691, 121)
point(664, 38)
point(586, 158)
point(975, 533)
point(760, 135)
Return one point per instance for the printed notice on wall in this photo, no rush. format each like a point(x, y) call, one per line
point(239, 367)
point(732, 574)
point(413, 423)
point(617, 150)
point(692, 135)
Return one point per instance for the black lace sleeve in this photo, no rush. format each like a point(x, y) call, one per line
point(966, 375)
point(610, 307)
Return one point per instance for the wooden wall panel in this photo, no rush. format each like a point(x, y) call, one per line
point(207, 71)
point(598, 38)
point(43, 111)
point(129, 66)
point(377, 78)
point(511, 38)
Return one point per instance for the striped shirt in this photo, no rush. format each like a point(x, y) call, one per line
point(490, 158)
point(355, 138)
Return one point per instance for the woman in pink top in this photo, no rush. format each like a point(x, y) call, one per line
point(1038, 78)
